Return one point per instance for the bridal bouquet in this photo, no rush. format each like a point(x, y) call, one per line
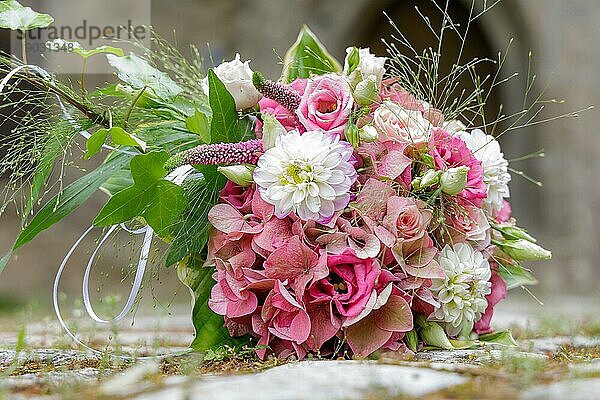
point(337, 210)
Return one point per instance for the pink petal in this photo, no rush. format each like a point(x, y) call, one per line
point(394, 316)
point(365, 337)
point(291, 260)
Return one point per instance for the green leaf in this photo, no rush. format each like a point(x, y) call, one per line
point(165, 207)
point(503, 338)
point(515, 275)
point(226, 125)
point(56, 144)
point(70, 199)
point(5, 260)
point(139, 74)
point(119, 137)
point(210, 329)
point(191, 231)
point(158, 201)
point(200, 125)
point(120, 180)
point(308, 56)
point(77, 48)
point(14, 16)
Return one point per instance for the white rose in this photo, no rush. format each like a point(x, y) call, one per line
point(237, 78)
point(368, 65)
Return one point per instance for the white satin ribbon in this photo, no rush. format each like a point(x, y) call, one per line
point(177, 176)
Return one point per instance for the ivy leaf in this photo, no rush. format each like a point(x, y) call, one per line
point(226, 125)
point(77, 48)
point(139, 74)
point(16, 17)
point(120, 180)
point(308, 56)
point(155, 199)
point(210, 329)
point(119, 137)
point(200, 125)
point(191, 231)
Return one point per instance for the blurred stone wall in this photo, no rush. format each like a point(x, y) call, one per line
point(560, 33)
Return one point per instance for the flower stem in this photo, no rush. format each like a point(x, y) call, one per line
point(23, 47)
point(131, 107)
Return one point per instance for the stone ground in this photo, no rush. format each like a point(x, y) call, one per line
point(557, 358)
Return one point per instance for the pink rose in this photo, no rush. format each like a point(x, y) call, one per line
point(406, 219)
point(326, 104)
point(468, 223)
point(288, 120)
point(349, 284)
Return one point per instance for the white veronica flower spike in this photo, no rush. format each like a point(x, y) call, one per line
point(495, 167)
point(462, 292)
point(308, 174)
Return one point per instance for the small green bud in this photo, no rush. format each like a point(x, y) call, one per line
point(523, 250)
point(351, 134)
point(355, 78)
point(454, 180)
point(430, 178)
point(512, 232)
point(272, 128)
point(368, 134)
point(433, 334)
point(239, 174)
point(352, 60)
point(366, 91)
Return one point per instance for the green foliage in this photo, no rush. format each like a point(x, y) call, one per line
point(120, 180)
point(515, 275)
point(66, 202)
point(77, 48)
point(503, 338)
point(16, 17)
point(139, 74)
point(119, 137)
point(226, 125)
point(155, 199)
point(308, 56)
point(56, 144)
point(210, 330)
point(191, 231)
point(70, 199)
point(200, 125)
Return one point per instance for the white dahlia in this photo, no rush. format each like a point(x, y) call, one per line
point(462, 292)
point(495, 167)
point(308, 174)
